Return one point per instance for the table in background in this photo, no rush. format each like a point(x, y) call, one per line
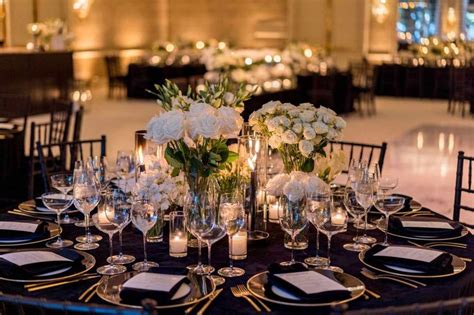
point(259, 257)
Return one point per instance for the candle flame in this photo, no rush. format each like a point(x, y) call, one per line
point(140, 155)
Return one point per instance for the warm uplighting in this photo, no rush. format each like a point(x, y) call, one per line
point(268, 58)
point(451, 15)
point(380, 10)
point(200, 44)
point(419, 140)
point(441, 142)
point(82, 8)
point(308, 53)
point(221, 45)
point(248, 61)
point(277, 58)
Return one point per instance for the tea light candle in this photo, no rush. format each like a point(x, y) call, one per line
point(178, 245)
point(338, 218)
point(239, 245)
point(273, 211)
point(103, 217)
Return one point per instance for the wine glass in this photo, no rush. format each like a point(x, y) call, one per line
point(315, 203)
point(293, 220)
point(124, 166)
point(57, 203)
point(354, 173)
point(144, 216)
point(214, 235)
point(357, 211)
point(121, 258)
point(330, 221)
point(232, 219)
point(86, 198)
point(63, 182)
point(365, 190)
point(199, 220)
point(99, 167)
point(388, 205)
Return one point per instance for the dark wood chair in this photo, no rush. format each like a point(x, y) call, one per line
point(16, 304)
point(117, 80)
point(464, 185)
point(323, 89)
point(360, 152)
point(61, 157)
point(363, 86)
point(460, 89)
point(55, 131)
point(78, 118)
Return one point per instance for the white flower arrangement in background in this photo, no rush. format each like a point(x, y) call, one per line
point(299, 133)
point(295, 186)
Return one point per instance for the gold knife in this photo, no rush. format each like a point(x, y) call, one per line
point(212, 298)
point(52, 285)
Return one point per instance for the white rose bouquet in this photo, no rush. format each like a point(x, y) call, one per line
point(299, 133)
point(195, 127)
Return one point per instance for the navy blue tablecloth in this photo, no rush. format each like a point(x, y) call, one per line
point(259, 257)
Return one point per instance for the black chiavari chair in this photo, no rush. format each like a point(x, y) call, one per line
point(117, 81)
point(61, 157)
point(461, 187)
point(363, 86)
point(78, 117)
point(15, 304)
point(360, 152)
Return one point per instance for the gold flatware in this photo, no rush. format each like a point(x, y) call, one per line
point(56, 284)
point(246, 292)
point(94, 292)
point(19, 213)
point(399, 277)
point(376, 277)
point(370, 292)
point(236, 292)
point(466, 259)
point(212, 298)
point(92, 287)
point(32, 285)
point(443, 245)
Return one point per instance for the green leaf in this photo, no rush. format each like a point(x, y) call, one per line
point(233, 156)
point(174, 158)
point(308, 165)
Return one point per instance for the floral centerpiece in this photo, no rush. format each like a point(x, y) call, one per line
point(299, 133)
point(330, 166)
point(195, 128)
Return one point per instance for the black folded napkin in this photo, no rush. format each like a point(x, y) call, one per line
point(278, 277)
point(435, 227)
point(441, 264)
point(26, 230)
point(26, 264)
point(151, 285)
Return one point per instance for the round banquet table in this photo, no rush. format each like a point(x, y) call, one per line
point(259, 257)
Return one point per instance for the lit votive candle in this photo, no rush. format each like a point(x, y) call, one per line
point(239, 246)
point(338, 218)
point(179, 245)
point(273, 212)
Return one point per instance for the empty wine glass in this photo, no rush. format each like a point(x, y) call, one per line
point(314, 203)
point(57, 203)
point(121, 258)
point(330, 221)
point(214, 235)
point(144, 216)
point(293, 220)
point(357, 211)
point(86, 198)
point(99, 167)
point(388, 205)
point(124, 166)
point(232, 219)
point(365, 190)
point(64, 183)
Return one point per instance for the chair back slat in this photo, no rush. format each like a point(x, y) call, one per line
point(460, 188)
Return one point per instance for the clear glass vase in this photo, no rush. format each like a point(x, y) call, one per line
point(301, 240)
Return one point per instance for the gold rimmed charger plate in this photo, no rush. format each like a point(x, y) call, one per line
point(88, 262)
point(464, 232)
point(30, 207)
point(459, 266)
point(53, 229)
point(415, 206)
point(256, 286)
point(109, 291)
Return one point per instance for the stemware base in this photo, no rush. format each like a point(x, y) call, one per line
point(203, 270)
point(218, 280)
point(361, 226)
point(316, 261)
point(67, 220)
point(289, 263)
point(229, 272)
point(333, 269)
point(89, 239)
point(86, 246)
point(111, 270)
point(144, 266)
point(365, 239)
point(121, 259)
point(354, 247)
point(59, 244)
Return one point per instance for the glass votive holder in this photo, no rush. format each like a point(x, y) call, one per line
point(238, 246)
point(178, 241)
point(274, 208)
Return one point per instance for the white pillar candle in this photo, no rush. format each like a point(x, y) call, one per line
point(338, 218)
point(239, 245)
point(178, 245)
point(273, 211)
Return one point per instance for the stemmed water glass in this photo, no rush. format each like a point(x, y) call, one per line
point(86, 198)
point(63, 182)
point(365, 190)
point(100, 168)
point(122, 259)
point(330, 221)
point(388, 205)
point(315, 203)
point(125, 166)
point(214, 235)
point(57, 203)
point(232, 219)
point(357, 211)
point(293, 220)
point(144, 217)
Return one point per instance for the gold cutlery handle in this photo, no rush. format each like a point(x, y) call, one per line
point(212, 298)
point(56, 284)
point(265, 306)
point(370, 292)
point(399, 280)
point(255, 306)
point(88, 290)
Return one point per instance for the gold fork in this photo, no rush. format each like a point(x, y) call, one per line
point(56, 284)
point(393, 276)
point(376, 277)
point(236, 292)
point(246, 292)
